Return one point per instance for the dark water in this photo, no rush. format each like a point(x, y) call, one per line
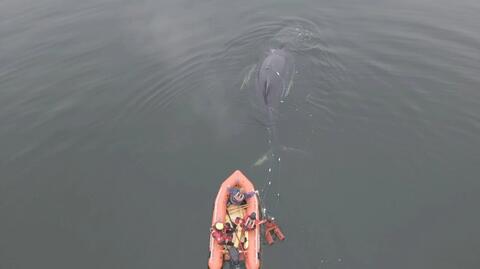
point(119, 119)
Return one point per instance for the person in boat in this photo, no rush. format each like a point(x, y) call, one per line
point(218, 233)
point(248, 223)
point(238, 197)
point(272, 227)
point(228, 234)
point(223, 233)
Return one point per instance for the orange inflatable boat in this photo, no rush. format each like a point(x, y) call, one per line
point(247, 242)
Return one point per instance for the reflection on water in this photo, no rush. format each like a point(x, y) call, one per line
point(119, 120)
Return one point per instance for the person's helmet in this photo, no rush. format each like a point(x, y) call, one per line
point(227, 224)
point(219, 226)
point(253, 215)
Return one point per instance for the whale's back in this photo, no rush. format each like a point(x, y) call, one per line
point(273, 77)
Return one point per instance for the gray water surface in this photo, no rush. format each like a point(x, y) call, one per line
point(119, 120)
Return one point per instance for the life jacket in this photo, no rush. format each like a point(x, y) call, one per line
point(228, 230)
point(228, 234)
point(270, 225)
point(218, 236)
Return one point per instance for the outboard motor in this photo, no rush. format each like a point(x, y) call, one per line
point(234, 257)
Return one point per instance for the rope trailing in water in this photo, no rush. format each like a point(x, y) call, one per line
point(273, 170)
